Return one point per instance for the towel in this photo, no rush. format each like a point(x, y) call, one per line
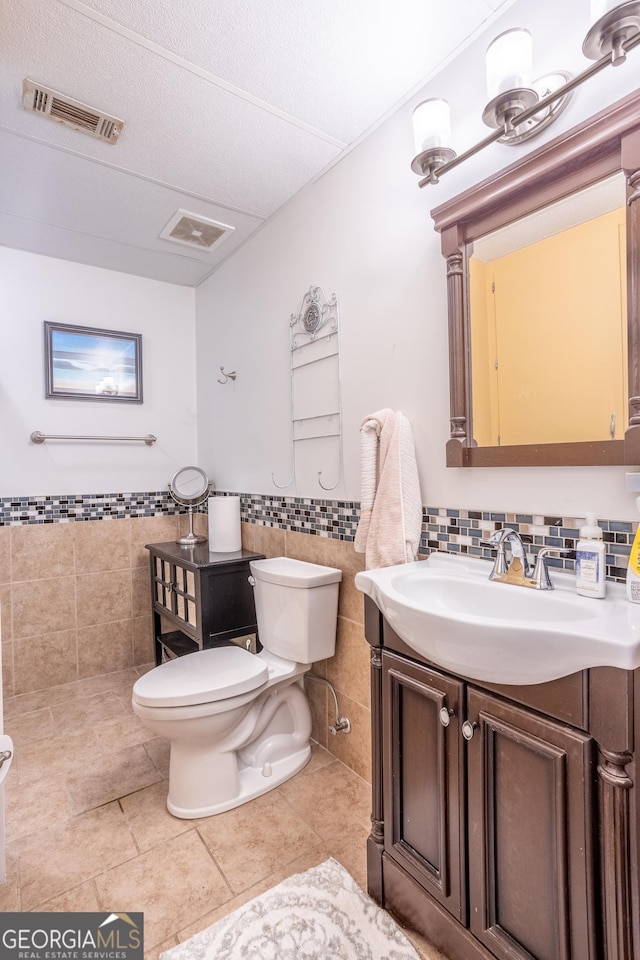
point(391, 507)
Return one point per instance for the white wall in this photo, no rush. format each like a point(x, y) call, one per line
point(34, 289)
point(364, 232)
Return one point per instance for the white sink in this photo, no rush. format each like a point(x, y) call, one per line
point(448, 610)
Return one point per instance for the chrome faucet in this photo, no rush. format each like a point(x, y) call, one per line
point(519, 571)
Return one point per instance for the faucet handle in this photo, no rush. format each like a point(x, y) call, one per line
point(500, 561)
point(541, 571)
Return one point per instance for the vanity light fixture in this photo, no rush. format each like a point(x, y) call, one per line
point(519, 106)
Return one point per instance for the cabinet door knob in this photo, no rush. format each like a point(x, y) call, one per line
point(252, 580)
point(445, 716)
point(468, 729)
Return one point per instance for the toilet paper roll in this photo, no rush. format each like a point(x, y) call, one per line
point(224, 524)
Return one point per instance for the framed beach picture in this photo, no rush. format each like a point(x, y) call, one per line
point(83, 363)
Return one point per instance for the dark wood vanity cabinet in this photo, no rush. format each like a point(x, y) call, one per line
point(423, 779)
point(505, 819)
point(199, 599)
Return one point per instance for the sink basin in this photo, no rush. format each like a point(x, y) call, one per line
point(448, 610)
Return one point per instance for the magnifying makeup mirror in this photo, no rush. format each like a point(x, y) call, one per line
point(190, 487)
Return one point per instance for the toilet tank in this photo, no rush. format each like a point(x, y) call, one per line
point(296, 607)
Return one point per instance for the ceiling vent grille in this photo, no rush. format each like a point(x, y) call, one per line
point(50, 103)
point(194, 230)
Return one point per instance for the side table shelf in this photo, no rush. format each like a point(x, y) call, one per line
point(199, 599)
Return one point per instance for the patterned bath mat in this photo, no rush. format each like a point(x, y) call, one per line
point(321, 914)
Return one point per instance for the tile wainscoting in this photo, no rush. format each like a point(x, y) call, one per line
point(74, 591)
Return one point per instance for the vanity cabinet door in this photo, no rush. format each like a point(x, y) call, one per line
point(423, 778)
point(531, 863)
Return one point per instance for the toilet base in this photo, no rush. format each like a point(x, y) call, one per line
point(252, 783)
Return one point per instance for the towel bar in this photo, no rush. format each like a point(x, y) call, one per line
point(38, 437)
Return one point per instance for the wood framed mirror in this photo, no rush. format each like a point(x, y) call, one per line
point(596, 152)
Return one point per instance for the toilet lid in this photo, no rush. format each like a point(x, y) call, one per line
point(203, 677)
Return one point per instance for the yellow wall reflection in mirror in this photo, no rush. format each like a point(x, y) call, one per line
point(549, 338)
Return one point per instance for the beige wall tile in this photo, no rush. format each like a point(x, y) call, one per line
point(200, 525)
point(141, 592)
point(348, 670)
point(268, 540)
point(105, 648)
point(41, 551)
point(43, 606)
point(143, 649)
point(103, 599)
point(340, 553)
point(317, 695)
point(304, 546)
point(6, 624)
point(45, 661)
point(247, 535)
point(103, 545)
point(354, 749)
point(7, 670)
point(5, 554)
point(150, 530)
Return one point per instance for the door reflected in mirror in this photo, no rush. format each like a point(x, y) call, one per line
point(548, 323)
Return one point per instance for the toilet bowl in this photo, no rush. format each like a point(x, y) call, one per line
point(239, 723)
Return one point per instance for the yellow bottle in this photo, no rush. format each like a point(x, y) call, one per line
point(633, 570)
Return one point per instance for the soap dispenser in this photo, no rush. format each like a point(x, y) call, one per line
point(590, 560)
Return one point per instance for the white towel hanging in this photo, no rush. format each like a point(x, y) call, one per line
point(391, 506)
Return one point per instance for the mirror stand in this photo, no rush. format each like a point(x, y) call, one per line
point(190, 538)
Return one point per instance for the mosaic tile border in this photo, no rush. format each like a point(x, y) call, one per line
point(462, 531)
point(444, 529)
point(16, 511)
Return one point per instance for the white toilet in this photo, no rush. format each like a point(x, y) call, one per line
point(239, 723)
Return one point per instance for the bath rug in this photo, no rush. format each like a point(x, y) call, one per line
point(321, 914)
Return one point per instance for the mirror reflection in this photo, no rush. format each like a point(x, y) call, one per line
point(548, 323)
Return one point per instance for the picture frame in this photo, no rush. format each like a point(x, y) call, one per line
point(87, 363)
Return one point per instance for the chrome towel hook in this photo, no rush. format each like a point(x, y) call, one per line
point(227, 376)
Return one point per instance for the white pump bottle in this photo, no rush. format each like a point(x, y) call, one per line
point(590, 560)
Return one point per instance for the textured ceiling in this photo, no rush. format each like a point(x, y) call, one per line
point(230, 107)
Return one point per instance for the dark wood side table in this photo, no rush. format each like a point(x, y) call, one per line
point(199, 599)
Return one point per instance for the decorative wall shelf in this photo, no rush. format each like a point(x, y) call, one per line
point(316, 401)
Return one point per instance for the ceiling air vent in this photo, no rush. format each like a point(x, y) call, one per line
point(194, 230)
point(50, 103)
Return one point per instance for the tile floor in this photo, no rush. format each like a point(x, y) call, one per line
point(88, 829)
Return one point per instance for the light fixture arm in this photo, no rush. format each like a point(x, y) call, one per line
point(609, 59)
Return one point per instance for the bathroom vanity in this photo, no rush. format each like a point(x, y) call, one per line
point(506, 817)
point(199, 599)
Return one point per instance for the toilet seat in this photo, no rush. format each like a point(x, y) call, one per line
point(207, 676)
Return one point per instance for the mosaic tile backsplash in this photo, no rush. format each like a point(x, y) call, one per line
point(445, 529)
